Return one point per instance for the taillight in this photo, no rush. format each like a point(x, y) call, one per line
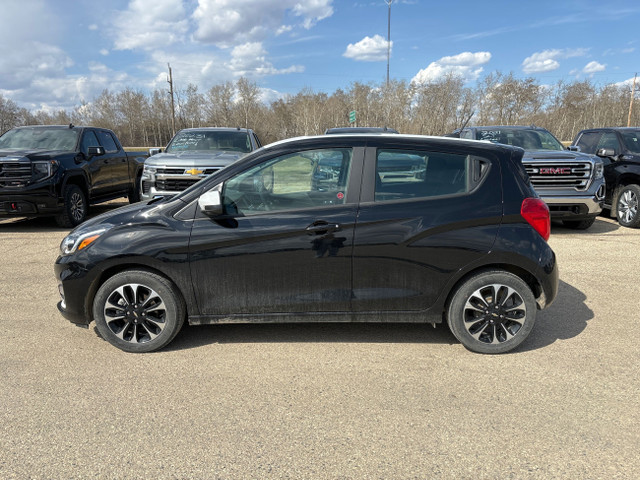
point(536, 212)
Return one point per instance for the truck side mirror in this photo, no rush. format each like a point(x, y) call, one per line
point(606, 152)
point(210, 203)
point(95, 151)
point(154, 151)
point(573, 148)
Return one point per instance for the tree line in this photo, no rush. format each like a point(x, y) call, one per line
point(435, 108)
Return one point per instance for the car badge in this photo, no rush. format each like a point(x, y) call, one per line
point(194, 171)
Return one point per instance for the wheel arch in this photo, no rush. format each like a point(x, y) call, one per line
point(114, 270)
point(78, 179)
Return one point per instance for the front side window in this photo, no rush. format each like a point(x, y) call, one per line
point(107, 141)
point(405, 174)
point(89, 139)
point(609, 141)
point(300, 180)
point(632, 140)
point(588, 142)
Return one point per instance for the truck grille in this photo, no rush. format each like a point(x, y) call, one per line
point(175, 185)
point(14, 173)
point(560, 175)
point(182, 171)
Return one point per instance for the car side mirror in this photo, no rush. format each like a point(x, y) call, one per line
point(606, 152)
point(573, 148)
point(210, 203)
point(95, 151)
point(154, 151)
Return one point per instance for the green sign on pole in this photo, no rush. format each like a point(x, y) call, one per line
point(352, 116)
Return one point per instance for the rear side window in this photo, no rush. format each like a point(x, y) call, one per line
point(407, 174)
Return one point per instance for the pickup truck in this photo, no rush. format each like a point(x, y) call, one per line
point(619, 149)
point(191, 155)
point(571, 183)
point(58, 171)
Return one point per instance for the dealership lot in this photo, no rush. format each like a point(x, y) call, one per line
point(325, 401)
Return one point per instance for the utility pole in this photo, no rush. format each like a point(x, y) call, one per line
point(173, 108)
point(633, 93)
point(388, 2)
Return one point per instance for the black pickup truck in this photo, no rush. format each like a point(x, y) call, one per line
point(60, 170)
point(619, 149)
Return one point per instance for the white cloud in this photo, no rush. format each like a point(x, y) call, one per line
point(232, 22)
point(593, 67)
point(627, 83)
point(104, 52)
point(250, 60)
point(369, 49)
point(93, 27)
point(547, 60)
point(467, 65)
point(150, 24)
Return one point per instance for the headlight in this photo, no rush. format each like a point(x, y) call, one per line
point(599, 170)
point(43, 170)
point(147, 170)
point(81, 239)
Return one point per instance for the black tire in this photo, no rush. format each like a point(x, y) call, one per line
point(627, 209)
point(492, 311)
point(75, 208)
point(138, 311)
point(134, 194)
point(579, 224)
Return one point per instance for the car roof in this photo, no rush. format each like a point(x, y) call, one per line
point(512, 127)
point(602, 129)
point(337, 130)
point(215, 129)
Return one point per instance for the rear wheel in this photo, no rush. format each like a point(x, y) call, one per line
point(138, 311)
point(74, 211)
point(492, 312)
point(627, 206)
point(579, 224)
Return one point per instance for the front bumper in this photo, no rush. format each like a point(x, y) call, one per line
point(575, 206)
point(37, 202)
point(76, 285)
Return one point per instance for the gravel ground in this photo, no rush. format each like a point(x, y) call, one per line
point(325, 401)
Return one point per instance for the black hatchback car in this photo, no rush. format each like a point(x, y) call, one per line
point(462, 240)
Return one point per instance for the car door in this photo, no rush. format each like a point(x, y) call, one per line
point(424, 214)
point(115, 162)
point(284, 243)
point(97, 165)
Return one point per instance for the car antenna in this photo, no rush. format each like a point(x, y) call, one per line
point(467, 120)
point(71, 125)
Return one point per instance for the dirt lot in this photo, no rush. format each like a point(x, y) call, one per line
point(325, 401)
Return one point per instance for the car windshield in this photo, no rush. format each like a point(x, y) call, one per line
point(631, 140)
point(529, 139)
point(203, 140)
point(40, 139)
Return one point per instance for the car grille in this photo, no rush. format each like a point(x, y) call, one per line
point(14, 173)
point(175, 185)
point(560, 175)
point(182, 171)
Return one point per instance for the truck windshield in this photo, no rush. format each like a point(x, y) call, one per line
point(632, 140)
point(195, 140)
point(523, 138)
point(40, 139)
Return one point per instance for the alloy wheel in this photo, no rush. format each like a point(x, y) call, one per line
point(628, 206)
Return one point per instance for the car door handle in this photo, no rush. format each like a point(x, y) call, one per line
point(323, 227)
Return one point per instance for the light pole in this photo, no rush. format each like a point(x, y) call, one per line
point(388, 2)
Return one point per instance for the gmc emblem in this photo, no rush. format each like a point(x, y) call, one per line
point(554, 171)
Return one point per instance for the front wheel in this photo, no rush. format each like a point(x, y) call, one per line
point(627, 206)
point(492, 312)
point(75, 207)
point(138, 311)
point(134, 194)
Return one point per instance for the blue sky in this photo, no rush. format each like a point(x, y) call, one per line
point(57, 53)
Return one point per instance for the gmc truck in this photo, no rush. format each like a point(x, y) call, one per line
point(58, 171)
point(191, 155)
point(571, 183)
point(619, 149)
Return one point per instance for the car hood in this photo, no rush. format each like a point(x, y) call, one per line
point(556, 155)
point(126, 215)
point(194, 159)
point(31, 153)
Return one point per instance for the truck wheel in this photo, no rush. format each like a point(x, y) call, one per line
point(492, 312)
point(627, 206)
point(75, 207)
point(138, 311)
point(579, 224)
